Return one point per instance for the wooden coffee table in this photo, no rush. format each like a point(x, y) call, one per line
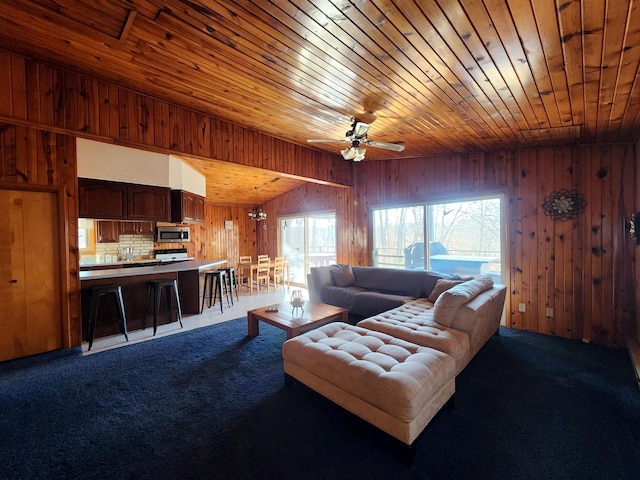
point(295, 322)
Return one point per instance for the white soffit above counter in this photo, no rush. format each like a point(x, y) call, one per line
point(106, 161)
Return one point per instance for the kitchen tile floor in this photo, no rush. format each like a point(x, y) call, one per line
point(209, 316)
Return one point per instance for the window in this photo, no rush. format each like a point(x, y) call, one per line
point(86, 236)
point(465, 237)
point(307, 241)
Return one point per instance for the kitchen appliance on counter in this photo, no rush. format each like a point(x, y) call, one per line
point(173, 234)
point(172, 255)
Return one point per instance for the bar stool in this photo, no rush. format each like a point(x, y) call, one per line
point(96, 293)
point(154, 289)
point(221, 282)
point(232, 282)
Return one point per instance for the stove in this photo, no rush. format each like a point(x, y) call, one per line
point(172, 255)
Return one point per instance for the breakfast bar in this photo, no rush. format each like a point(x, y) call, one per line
point(134, 282)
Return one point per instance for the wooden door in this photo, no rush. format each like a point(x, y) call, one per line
point(30, 298)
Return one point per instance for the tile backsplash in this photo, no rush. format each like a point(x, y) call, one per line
point(141, 245)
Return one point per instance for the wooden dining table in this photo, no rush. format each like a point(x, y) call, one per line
point(252, 267)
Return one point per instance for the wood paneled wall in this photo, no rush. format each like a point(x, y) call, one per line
point(583, 269)
point(36, 94)
point(213, 241)
point(32, 159)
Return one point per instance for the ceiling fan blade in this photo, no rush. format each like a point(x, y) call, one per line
point(396, 147)
point(327, 140)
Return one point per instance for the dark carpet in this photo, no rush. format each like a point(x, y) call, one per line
point(211, 404)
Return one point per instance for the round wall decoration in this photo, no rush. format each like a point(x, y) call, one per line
point(564, 204)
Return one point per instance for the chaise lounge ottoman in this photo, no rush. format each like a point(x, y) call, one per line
point(393, 384)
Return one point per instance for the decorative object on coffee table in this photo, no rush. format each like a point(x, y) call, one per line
point(297, 301)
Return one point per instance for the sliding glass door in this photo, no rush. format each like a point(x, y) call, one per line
point(464, 237)
point(307, 241)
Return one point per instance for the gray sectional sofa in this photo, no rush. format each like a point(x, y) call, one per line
point(367, 291)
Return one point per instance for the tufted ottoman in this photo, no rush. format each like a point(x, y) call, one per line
point(391, 383)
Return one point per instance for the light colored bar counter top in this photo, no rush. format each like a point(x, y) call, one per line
point(189, 265)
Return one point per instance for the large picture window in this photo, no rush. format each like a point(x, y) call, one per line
point(464, 237)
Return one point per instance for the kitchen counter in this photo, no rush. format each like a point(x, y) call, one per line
point(94, 265)
point(134, 282)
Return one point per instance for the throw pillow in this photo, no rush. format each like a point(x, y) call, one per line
point(445, 307)
point(442, 286)
point(343, 276)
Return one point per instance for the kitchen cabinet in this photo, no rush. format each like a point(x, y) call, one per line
point(186, 207)
point(107, 231)
point(102, 199)
point(145, 202)
point(137, 228)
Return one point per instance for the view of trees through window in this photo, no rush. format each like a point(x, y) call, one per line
point(464, 237)
point(306, 242)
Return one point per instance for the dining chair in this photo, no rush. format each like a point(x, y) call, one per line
point(243, 266)
point(262, 274)
point(262, 256)
point(277, 275)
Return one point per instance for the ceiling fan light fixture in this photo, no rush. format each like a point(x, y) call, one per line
point(360, 129)
point(348, 153)
point(359, 156)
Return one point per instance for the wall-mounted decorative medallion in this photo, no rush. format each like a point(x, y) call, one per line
point(564, 204)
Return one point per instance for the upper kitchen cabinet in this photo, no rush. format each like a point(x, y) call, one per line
point(145, 202)
point(186, 207)
point(137, 228)
point(102, 199)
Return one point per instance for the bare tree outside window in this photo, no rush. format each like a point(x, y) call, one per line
point(464, 237)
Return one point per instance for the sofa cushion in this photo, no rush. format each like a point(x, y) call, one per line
point(442, 286)
point(368, 303)
point(390, 280)
point(343, 275)
point(359, 301)
point(339, 296)
point(321, 276)
point(413, 322)
point(448, 302)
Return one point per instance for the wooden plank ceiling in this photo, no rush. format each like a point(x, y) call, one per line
point(438, 76)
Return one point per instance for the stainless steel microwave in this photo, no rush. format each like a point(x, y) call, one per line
point(172, 234)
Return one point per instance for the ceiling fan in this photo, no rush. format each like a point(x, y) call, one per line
point(357, 137)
